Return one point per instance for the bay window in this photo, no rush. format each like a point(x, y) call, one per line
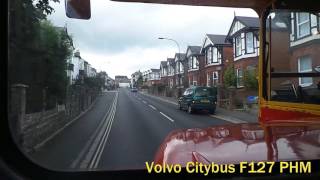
point(238, 45)
point(303, 24)
point(215, 78)
point(239, 78)
point(305, 65)
point(249, 42)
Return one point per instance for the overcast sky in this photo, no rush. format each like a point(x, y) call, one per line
point(121, 38)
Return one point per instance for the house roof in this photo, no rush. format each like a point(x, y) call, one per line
point(155, 70)
point(217, 39)
point(163, 63)
point(249, 21)
point(195, 50)
point(181, 55)
point(170, 60)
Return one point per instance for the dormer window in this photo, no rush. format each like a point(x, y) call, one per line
point(303, 24)
point(213, 55)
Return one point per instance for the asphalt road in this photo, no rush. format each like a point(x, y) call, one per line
point(122, 131)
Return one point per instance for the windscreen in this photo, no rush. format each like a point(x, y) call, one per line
point(293, 59)
point(105, 93)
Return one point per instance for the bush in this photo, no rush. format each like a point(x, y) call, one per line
point(250, 79)
point(230, 78)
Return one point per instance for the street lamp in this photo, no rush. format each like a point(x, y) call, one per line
point(169, 39)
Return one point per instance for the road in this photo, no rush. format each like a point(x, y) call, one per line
point(121, 131)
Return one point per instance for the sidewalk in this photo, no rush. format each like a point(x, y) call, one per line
point(221, 113)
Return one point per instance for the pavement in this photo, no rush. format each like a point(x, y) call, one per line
point(121, 131)
point(234, 116)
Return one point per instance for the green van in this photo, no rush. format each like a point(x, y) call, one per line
point(198, 98)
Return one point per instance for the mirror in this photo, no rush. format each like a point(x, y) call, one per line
point(78, 9)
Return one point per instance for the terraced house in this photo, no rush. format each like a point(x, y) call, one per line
point(195, 61)
point(218, 54)
point(163, 73)
point(180, 62)
point(171, 72)
point(244, 36)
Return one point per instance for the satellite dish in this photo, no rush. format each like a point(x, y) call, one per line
point(317, 68)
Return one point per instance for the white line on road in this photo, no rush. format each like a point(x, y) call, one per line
point(152, 107)
point(144, 102)
point(166, 116)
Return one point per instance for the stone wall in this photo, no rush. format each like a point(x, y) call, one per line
point(34, 129)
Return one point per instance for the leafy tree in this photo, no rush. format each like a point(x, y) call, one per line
point(250, 79)
point(230, 78)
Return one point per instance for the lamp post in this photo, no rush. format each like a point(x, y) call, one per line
point(179, 56)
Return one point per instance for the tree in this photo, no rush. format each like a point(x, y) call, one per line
point(250, 79)
point(230, 78)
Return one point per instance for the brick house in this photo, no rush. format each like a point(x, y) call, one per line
point(179, 59)
point(153, 77)
point(171, 73)
point(195, 66)
point(218, 53)
point(163, 73)
point(244, 36)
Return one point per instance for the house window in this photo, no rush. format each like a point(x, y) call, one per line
point(215, 78)
point(215, 55)
point(239, 78)
point(209, 55)
point(238, 45)
point(208, 79)
point(303, 24)
point(171, 83)
point(194, 83)
point(305, 65)
point(181, 67)
point(249, 42)
point(194, 63)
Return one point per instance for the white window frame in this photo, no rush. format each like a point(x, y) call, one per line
point(302, 23)
point(239, 77)
point(303, 71)
point(251, 43)
point(208, 79)
point(215, 80)
point(238, 46)
point(209, 55)
point(215, 58)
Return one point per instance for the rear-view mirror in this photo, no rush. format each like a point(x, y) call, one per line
point(78, 9)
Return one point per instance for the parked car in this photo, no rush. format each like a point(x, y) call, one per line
point(134, 89)
point(198, 98)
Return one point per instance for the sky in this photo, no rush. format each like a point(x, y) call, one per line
point(121, 38)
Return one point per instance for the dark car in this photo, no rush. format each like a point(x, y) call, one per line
point(199, 98)
point(134, 89)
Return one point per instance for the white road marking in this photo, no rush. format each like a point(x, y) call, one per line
point(166, 116)
point(144, 102)
point(96, 159)
point(152, 107)
point(92, 157)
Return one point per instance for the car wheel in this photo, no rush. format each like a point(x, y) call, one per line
point(189, 110)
